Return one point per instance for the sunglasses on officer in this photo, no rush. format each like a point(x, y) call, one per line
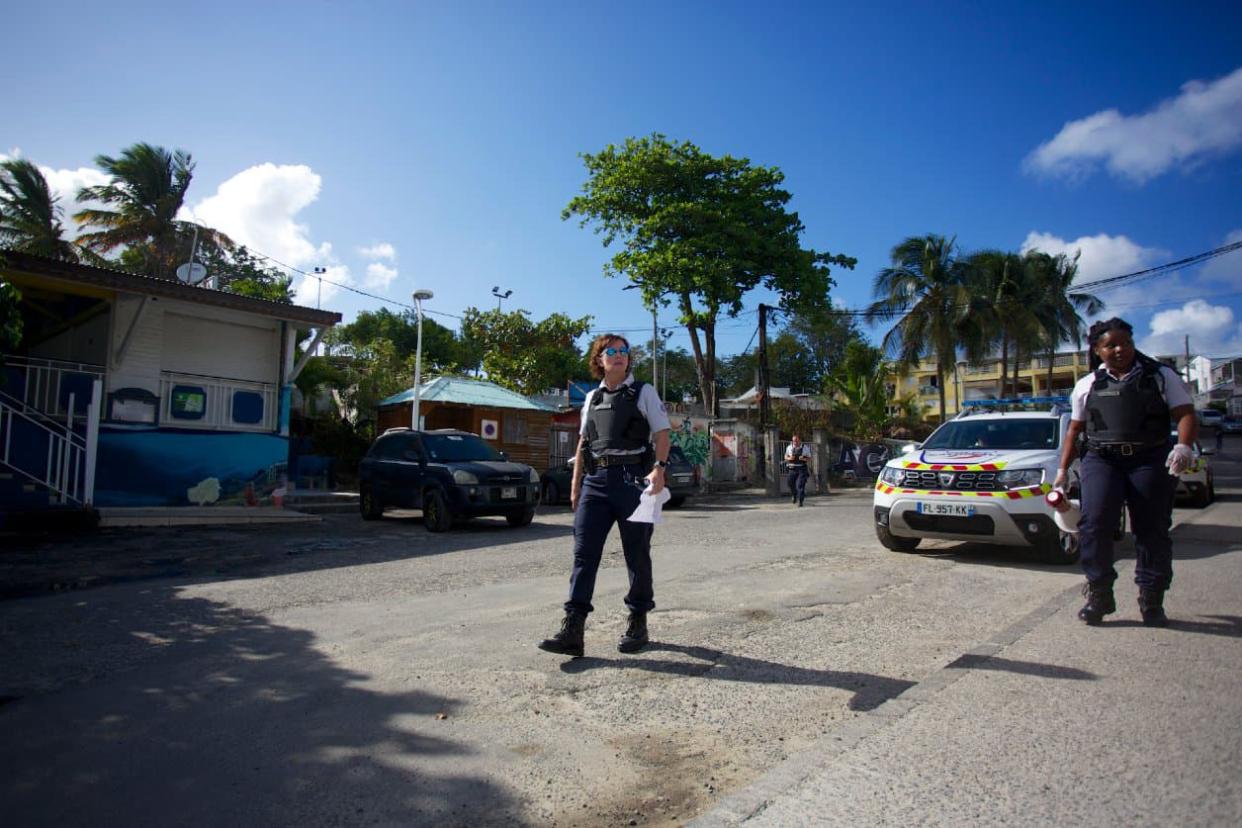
point(624, 351)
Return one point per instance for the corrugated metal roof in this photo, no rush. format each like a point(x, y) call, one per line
point(467, 392)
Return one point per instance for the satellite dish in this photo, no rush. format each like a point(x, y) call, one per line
point(192, 273)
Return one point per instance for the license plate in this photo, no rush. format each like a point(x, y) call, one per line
point(681, 478)
point(508, 493)
point(954, 509)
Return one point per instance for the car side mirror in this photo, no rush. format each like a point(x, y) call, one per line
point(504, 455)
point(909, 447)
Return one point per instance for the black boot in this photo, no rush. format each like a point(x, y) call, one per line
point(1151, 605)
point(635, 637)
point(569, 640)
point(1099, 603)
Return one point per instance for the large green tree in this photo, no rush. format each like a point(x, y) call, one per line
point(1002, 311)
point(1059, 307)
point(30, 218)
point(699, 232)
point(442, 350)
point(139, 218)
point(10, 315)
point(526, 356)
point(237, 270)
point(926, 290)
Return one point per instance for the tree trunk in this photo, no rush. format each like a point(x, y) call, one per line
point(1004, 362)
point(940, 388)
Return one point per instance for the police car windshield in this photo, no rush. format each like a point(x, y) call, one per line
point(458, 448)
point(995, 434)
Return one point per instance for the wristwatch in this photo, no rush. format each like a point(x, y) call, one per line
point(663, 464)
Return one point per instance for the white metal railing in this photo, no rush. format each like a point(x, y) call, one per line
point(210, 404)
point(43, 381)
point(67, 468)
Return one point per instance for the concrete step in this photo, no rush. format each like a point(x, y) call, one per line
point(319, 502)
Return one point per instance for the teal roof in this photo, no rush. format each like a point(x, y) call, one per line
point(467, 392)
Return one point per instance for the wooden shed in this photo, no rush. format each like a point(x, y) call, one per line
point(516, 425)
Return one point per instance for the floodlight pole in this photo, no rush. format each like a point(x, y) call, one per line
point(419, 296)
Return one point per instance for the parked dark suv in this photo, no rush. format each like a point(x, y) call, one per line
point(681, 478)
point(449, 474)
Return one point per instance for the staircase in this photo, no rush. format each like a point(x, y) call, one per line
point(47, 462)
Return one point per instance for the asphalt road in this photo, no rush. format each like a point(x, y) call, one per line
point(373, 673)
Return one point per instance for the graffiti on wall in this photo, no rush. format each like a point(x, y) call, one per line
point(691, 436)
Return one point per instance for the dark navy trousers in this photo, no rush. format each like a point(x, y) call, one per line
point(1142, 482)
point(797, 483)
point(610, 495)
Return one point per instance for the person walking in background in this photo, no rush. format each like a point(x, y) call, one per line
point(797, 464)
point(1220, 438)
point(1124, 407)
point(624, 430)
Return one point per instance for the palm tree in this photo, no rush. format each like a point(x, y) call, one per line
point(858, 385)
point(1003, 295)
point(926, 287)
point(30, 218)
point(1058, 308)
point(147, 190)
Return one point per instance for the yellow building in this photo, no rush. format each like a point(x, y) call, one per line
point(983, 382)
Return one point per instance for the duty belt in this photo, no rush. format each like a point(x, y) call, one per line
point(1123, 449)
point(603, 461)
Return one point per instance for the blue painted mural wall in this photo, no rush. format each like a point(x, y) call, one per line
point(169, 467)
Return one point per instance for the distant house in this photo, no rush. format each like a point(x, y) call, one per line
point(516, 425)
point(133, 391)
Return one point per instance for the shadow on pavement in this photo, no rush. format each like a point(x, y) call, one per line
point(974, 661)
point(166, 710)
point(1229, 626)
point(42, 565)
point(870, 690)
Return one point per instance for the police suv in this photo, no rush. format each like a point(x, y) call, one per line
point(980, 477)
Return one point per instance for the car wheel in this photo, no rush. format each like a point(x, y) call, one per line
point(521, 518)
point(369, 505)
point(436, 514)
point(1063, 549)
point(891, 541)
point(551, 493)
point(676, 500)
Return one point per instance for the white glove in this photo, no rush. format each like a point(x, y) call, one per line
point(1061, 480)
point(1179, 459)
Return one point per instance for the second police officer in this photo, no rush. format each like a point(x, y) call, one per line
point(622, 420)
point(1124, 408)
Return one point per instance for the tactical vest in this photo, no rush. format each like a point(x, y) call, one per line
point(1129, 411)
point(797, 460)
point(615, 422)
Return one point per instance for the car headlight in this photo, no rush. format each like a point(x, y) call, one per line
point(892, 475)
point(1019, 478)
point(465, 478)
point(533, 476)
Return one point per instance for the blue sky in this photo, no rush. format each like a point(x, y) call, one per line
point(433, 145)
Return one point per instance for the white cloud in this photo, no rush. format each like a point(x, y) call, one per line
point(383, 250)
point(258, 207)
point(1203, 121)
point(1226, 268)
point(312, 291)
point(1102, 255)
point(1212, 330)
point(380, 276)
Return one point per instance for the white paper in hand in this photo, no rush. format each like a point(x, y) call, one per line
point(649, 506)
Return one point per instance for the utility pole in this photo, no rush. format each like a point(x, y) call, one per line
point(1188, 359)
point(764, 405)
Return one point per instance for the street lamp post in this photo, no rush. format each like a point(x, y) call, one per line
point(500, 297)
point(419, 296)
point(665, 333)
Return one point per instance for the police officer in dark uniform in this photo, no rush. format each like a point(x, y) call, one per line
point(623, 446)
point(1124, 408)
point(797, 459)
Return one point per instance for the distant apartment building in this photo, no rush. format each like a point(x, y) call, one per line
point(982, 381)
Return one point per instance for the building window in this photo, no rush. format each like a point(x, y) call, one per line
point(247, 407)
point(187, 402)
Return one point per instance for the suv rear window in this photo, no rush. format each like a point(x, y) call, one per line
point(458, 448)
point(996, 434)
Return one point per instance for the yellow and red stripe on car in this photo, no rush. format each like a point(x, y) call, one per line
point(1012, 494)
point(972, 467)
